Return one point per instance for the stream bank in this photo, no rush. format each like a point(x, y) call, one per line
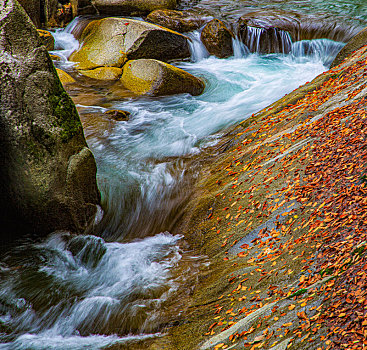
point(280, 210)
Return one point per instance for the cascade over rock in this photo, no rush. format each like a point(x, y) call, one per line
point(268, 31)
point(131, 7)
point(217, 39)
point(113, 41)
point(48, 174)
point(146, 76)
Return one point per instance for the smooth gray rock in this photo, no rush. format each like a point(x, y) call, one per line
point(47, 172)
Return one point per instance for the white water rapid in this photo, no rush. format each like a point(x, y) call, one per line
point(86, 292)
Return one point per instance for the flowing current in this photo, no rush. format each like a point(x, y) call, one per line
point(88, 292)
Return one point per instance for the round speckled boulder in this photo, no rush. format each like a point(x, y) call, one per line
point(112, 41)
point(156, 78)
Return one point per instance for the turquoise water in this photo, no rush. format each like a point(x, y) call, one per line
point(142, 153)
point(91, 292)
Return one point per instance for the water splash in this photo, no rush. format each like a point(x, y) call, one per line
point(70, 289)
point(319, 49)
point(239, 48)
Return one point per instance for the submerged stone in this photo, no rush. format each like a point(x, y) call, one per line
point(157, 78)
point(118, 115)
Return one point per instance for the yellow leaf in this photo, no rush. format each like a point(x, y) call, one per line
point(291, 307)
point(287, 324)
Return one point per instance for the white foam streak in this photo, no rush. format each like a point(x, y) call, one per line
point(197, 48)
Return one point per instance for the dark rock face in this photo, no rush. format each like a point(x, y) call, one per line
point(82, 7)
point(47, 172)
point(217, 39)
point(33, 9)
point(180, 21)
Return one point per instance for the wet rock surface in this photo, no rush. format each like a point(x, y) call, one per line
point(152, 77)
point(288, 279)
point(180, 21)
point(217, 39)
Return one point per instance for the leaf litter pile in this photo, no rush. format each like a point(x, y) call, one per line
point(290, 217)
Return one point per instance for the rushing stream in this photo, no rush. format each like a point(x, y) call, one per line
point(88, 292)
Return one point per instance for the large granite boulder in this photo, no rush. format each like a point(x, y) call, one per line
point(131, 7)
point(156, 78)
point(217, 39)
point(353, 45)
point(180, 21)
point(47, 172)
point(112, 41)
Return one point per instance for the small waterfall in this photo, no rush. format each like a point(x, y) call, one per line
point(324, 50)
point(67, 39)
point(239, 48)
point(65, 43)
point(263, 40)
point(77, 25)
point(197, 48)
